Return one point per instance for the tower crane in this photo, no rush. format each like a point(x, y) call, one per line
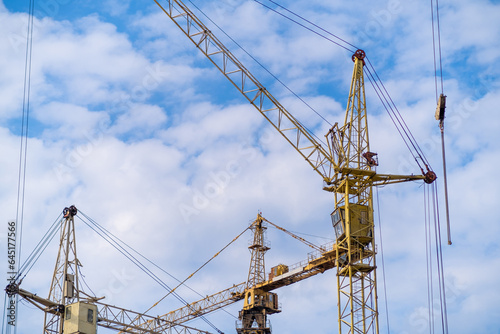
point(68, 309)
point(347, 167)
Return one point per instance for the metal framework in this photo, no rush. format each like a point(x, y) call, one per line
point(204, 306)
point(268, 106)
point(64, 287)
point(356, 279)
point(258, 248)
point(345, 167)
point(127, 321)
point(258, 303)
point(65, 292)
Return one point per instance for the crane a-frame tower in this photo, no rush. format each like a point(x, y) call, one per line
point(69, 309)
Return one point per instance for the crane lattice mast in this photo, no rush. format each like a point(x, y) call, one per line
point(71, 310)
point(64, 287)
point(257, 303)
point(353, 216)
point(345, 167)
point(258, 248)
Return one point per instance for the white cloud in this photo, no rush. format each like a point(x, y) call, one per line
point(141, 120)
point(135, 128)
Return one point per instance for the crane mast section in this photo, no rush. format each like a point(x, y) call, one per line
point(289, 127)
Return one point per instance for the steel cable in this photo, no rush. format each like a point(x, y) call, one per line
point(270, 73)
point(117, 244)
point(103, 234)
point(383, 262)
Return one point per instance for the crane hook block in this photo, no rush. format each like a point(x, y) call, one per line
point(441, 106)
point(360, 54)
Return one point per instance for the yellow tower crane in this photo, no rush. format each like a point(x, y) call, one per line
point(346, 167)
point(257, 302)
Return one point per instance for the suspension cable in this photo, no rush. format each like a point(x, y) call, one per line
point(383, 100)
point(203, 265)
point(381, 91)
point(441, 104)
point(383, 262)
point(23, 154)
point(439, 261)
point(39, 249)
point(433, 236)
point(436, 30)
point(23, 151)
point(378, 86)
point(429, 260)
point(118, 244)
point(113, 241)
point(308, 243)
point(352, 49)
point(139, 254)
point(391, 108)
point(269, 72)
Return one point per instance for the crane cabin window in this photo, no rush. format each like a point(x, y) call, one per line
point(90, 316)
point(338, 221)
point(68, 312)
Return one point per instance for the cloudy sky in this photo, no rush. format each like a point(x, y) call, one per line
point(130, 123)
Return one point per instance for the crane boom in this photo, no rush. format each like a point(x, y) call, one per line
point(346, 168)
point(322, 160)
point(268, 106)
point(316, 263)
point(109, 316)
point(206, 305)
point(67, 311)
point(127, 321)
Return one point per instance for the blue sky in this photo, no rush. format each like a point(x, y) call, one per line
point(132, 124)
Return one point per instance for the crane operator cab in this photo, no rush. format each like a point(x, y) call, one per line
point(257, 299)
point(360, 220)
point(80, 318)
